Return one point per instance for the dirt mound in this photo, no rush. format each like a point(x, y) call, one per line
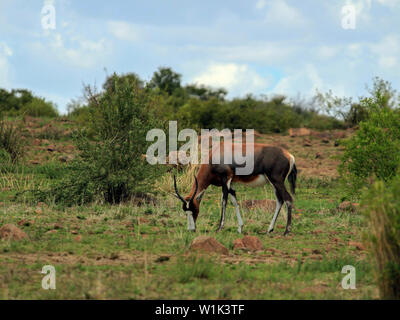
point(266, 204)
point(11, 232)
point(251, 243)
point(299, 132)
point(209, 245)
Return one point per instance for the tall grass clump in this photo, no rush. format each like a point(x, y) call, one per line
point(11, 143)
point(381, 204)
point(110, 166)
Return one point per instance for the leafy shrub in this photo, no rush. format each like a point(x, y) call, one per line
point(22, 102)
point(375, 148)
point(11, 142)
point(39, 107)
point(382, 207)
point(110, 165)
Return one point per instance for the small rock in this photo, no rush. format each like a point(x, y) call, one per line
point(12, 232)
point(358, 245)
point(38, 211)
point(51, 148)
point(143, 220)
point(51, 231)
point(58, 226)
point(114, 256)
point(307, 143)
point(78, 238)
point(208, 244)
point(162, 259)
point(251, 243)
point(348, 206)
point(299, 132)
point(74, 232)
point(325, 140)
point(318, 155)
point(339, 135)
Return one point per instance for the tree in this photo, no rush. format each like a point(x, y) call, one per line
point(166, 80)
point(110, 164)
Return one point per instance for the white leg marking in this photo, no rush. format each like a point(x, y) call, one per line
point(278, 208)
point(228, 184)
point(240, 221)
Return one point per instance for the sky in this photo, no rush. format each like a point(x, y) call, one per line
point(263, 47)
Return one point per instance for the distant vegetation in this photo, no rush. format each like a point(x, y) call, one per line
point(22, 102)
point(197, 106)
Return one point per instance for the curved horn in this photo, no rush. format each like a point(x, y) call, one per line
point(195, 191)
point(177, 193)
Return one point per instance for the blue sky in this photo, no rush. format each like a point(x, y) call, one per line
point(256, 46)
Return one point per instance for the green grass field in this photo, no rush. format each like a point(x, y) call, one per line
point(131, 252)
point(128, 252)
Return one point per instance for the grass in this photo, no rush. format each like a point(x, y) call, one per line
point(110, 252)
point(130, 252)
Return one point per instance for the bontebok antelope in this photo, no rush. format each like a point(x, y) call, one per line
point(273, 164)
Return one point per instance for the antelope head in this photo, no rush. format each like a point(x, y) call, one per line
point(190, 204)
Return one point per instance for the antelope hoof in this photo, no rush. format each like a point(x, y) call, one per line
point(286, 232)
point(270, 230)
point(240, 230)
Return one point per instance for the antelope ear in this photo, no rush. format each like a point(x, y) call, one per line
point(200, 195)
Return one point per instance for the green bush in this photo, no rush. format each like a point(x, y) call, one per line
point(382, 207)
point(20, 102)
point(11, 142)
point(375, 148)
point(39, 107)
point(110, 165)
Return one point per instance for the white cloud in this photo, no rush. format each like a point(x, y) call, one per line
point(261, 4)
point(5, 67)
point(304, 79)
point(387, 52)
point(389, 3)
point(238, 78)
point(76, 51)
point(280, 14)
point(123, 31)
point(327, 52)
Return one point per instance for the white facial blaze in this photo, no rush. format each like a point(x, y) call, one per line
point(191, 224)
